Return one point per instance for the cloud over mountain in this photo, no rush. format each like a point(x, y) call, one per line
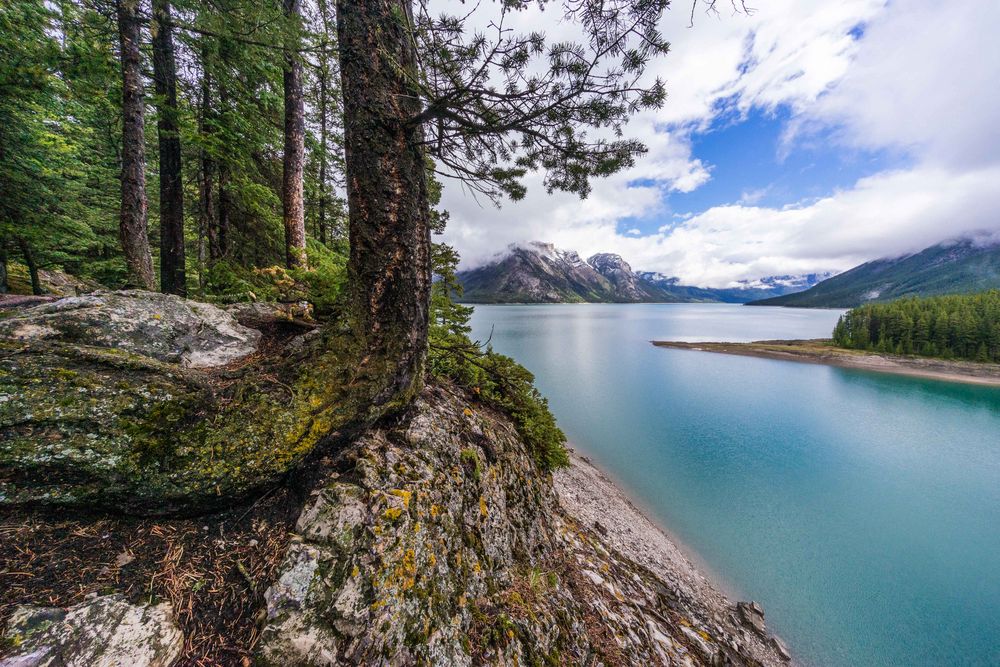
point(911, 80)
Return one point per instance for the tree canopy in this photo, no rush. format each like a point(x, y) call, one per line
point(958, 326)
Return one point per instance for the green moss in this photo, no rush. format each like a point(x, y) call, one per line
point(470, 458)
point(106, 427)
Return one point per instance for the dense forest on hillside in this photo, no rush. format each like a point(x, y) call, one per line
point(959, 326)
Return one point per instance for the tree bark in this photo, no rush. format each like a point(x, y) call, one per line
point(323, 74)
point(295, 151)
point(206, 206)
point(4, 287)
point(225, 210)
point(389, 270)
point(132, 224)
point(29, 261)
point(172, 275)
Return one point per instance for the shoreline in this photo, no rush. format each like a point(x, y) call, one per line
point(593, 498)
point(822, 351)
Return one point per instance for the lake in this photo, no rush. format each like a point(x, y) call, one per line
point(861, 510)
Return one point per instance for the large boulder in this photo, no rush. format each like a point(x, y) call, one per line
point(104, 632)
point(152, 404)
point(161, 326)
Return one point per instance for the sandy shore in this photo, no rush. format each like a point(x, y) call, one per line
point(822, 351)
point(593, 499)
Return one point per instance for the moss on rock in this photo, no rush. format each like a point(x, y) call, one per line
point(90, 426)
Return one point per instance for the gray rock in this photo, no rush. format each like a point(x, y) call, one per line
point(105, 632)
point(780, 648)
point(752, 615)
point(111, 400)
point(162, 326)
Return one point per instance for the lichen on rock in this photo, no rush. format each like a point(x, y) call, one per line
point(160, 326)
point(104, 632)
point(395, 562)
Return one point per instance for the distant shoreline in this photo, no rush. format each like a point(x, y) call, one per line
point(822, 351)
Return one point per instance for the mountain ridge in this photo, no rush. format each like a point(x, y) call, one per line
point(538, 272)
point(952, 267)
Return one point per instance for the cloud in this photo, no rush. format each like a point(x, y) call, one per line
point(920, 81)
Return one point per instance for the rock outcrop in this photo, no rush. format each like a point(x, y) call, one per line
point(617, 271)
point(151, 404)
point(105, 632)
point(159, 326)
point(434, 540)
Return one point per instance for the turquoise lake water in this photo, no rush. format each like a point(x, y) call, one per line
point(862, 510)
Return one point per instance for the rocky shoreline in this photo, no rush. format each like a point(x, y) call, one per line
point(822, 351)
point(591, 497)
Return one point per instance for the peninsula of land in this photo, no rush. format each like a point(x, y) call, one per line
point(823, 351)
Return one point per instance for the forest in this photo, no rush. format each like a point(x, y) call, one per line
point(951, 327)
point(148, 146)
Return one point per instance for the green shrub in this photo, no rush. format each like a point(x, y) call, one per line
point(496, 379)
point(321, 284)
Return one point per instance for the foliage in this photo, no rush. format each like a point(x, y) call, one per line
point(957, 326)
point(499, 103)
point(496, 379)
point(56, 160)
point(321, 285)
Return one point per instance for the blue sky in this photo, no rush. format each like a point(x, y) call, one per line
point(806, 138)
point(749, 163)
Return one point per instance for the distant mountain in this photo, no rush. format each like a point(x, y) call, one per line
point(541, 273)
point(948, 268)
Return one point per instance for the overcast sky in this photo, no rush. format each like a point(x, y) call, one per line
point(808, 137)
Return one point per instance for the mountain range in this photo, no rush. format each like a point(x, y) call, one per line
point(539, 272)
point(953, 267)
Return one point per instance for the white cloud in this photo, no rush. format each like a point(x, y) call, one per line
point(920, 81)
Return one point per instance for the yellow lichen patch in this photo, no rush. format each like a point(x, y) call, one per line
point(467, 412)
point(355, 572)
point(392, 513)
point(404, 494)
point(435, 510)
point(483, 509)
point(704, 635)
point(432, 560)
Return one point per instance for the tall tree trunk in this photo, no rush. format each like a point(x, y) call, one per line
point(225, 210)
point(206, 207)
point(292, 196)
point(224, 216)
point(29, 260)
point(389, 268)
point(324, 73)
point(132, 224)
point(4, 287)
point(172, 275)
